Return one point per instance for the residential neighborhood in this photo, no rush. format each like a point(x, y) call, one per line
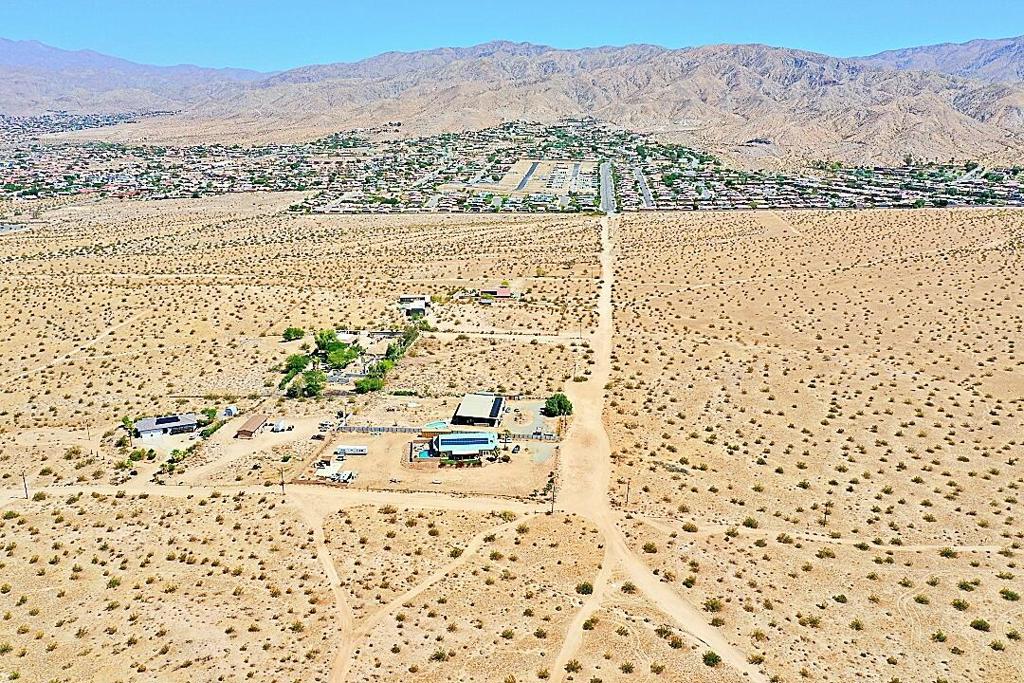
point(516, 167)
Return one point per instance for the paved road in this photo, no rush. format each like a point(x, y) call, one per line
point(644, 188)
point(526, 178)
point(607, 189)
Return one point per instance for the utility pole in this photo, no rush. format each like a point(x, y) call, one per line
point(24, 482)
point(553, 485)
point(628, 482)
point(281, 472)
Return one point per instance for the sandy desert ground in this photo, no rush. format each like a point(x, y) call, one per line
point(795, 452)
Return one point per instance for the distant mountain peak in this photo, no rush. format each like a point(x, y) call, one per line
point(928, 102)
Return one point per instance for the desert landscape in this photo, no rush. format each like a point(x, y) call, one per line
point(510, 363)
point(793, 451)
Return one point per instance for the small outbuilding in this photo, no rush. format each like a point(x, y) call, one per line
point(253, 425)
point(414, 305)
point(480, 410)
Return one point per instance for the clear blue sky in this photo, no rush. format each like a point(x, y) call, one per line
point(278, 34)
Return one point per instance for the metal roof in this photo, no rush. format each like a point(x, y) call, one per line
point(253, 423)
point(480, 406)
point(150, 424)
point(466, 443)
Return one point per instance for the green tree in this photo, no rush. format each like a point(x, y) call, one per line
point(296, 388)
point(295, 363)
point(129, 426)
point(558, 405)
point(341, 355)
point(315, 382)
point(293, 333)
point(325, 339)
point(368, 384)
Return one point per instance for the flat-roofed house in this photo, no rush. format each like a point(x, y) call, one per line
point(166, 425)
point(414, 305)
point(464, 445)
point(480, 409)
point(497, 291)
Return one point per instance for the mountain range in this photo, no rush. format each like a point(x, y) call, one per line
point(755, 104)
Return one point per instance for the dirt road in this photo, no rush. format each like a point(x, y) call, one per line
point(585, 474)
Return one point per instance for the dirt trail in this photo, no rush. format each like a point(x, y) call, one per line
point(343, 659)
point(585, 474)
point(308, 498)
point(64, 358)
point(540, 338)
point(346, 620)
point(776, 225)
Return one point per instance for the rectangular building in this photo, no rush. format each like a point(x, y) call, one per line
point(464, 445)
point(480, 409)
point(251, 426)
point(166, 425)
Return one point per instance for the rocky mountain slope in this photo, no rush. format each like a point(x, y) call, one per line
point(35, 77)
point(755, 103)
point(989, 60)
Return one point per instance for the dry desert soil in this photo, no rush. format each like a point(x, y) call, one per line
point(796, 452)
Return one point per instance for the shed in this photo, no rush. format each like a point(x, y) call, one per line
point(497, 291)
point(251, 426)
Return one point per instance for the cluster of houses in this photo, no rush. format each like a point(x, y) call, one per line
point(689, 185)
point(21, 128)
point(372, 171)
point(417, 306)
point(345, 173)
